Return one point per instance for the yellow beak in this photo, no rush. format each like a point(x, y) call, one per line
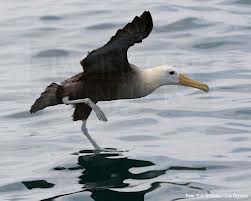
point(186, 81)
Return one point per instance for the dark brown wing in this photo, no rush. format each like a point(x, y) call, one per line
point(72, 79)
point(51, 96)
point(142, 25)
point(112, 57)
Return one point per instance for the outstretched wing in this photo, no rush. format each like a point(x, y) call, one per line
point(112, 57)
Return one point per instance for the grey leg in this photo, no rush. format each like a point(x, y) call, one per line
point(98, 149)
point(85, 131)
point(100, 114)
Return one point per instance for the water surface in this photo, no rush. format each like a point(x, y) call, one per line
point(177, 141)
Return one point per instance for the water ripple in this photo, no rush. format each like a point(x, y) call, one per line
point(234, 113)
point(53, 53)
point(50, 18)
point(184, 25)
point(103, 26)
point(242, 149)
point(245, 2)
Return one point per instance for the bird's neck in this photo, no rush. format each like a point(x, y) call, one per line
point(152, 77)
point(150, 80)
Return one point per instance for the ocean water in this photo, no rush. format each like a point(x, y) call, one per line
point(178, 143)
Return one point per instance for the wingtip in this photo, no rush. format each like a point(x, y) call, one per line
point(148, 19)
point(146, 12)
point(32, 110)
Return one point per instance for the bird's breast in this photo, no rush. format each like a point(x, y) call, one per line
point(105, 88)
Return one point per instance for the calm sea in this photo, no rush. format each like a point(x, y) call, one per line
point(179, 143)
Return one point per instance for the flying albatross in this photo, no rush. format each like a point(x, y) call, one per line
point(107, 75)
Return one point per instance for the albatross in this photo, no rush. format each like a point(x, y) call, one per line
point(107, 75)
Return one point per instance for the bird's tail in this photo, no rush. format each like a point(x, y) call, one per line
point(51, 96)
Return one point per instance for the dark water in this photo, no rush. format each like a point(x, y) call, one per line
point(177, 141)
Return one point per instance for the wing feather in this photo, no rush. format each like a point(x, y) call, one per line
point(112, 57)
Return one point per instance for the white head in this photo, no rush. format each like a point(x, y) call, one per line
point(168, 75)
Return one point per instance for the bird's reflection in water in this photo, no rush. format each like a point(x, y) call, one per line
point(109, 170)
point(104, 174)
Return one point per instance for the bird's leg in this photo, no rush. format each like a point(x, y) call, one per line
point(100, 114)
point(98, 149)
point(85, 131)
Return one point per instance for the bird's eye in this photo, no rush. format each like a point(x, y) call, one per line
point(171, 72)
